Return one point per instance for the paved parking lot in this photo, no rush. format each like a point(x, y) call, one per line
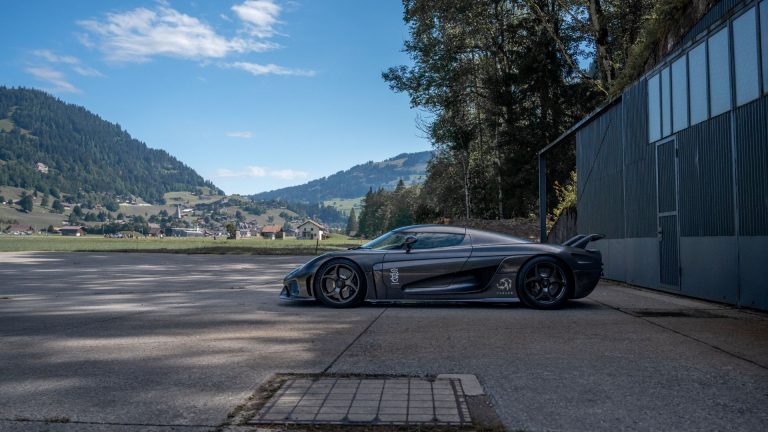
point(129, 342)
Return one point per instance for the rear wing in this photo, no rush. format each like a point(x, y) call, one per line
point(582, 240)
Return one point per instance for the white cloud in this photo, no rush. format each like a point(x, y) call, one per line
point(87, 71)
point(54, 58)
point(54, 77)
point(257, 171)
point(260, 16)
point(288, 174)
point(269, 69)
point(70, 61)
point(140, 34)
point(240, 134)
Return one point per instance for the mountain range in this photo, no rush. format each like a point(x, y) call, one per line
point(55, 147)
point(355, 182)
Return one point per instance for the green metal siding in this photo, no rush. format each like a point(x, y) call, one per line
point(752, 167)
point(706, 179)
point(599, 160)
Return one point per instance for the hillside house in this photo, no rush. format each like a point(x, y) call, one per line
point(272, 232)
point(311, 230)
point(19, 230)
point(41, 168)
point(155, 230)
point(74, 231)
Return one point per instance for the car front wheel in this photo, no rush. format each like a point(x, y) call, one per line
point(340, 284)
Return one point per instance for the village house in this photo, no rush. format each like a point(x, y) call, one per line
point(311, 230)
point(19, 230)
point(41, 168)
point(75, 231)
point(155, 230)
point(272, 232)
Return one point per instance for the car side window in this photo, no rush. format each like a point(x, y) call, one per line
point(437, 240)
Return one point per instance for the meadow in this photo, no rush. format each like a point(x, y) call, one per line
point(248, 246)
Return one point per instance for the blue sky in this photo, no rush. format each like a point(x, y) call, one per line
point(253, 94)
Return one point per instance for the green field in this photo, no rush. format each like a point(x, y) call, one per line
point(344, 205)
point(93, 243)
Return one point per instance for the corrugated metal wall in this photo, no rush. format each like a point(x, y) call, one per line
point(752, 167)
point(599, 157)
point(639, 164)
point(667, 173)
point(706, 179)
point(713, 16)
point(723, 245)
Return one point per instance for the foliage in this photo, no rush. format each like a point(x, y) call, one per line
point(663, 19)
point(566, 195)
point(354, 182)
point(500, 79)
point(383, 210)
point(26, 203)
point(352, 226)
point(57, 206)
point(83, 152)
point(231, 231)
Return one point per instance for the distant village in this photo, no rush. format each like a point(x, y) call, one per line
point(204, 219)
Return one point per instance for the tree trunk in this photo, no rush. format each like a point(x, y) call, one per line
point(600, 28)
point(497, 161)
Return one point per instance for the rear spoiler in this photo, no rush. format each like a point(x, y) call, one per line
point(581, 241)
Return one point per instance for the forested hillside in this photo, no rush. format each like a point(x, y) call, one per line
point(81, 151)
point(356, 181)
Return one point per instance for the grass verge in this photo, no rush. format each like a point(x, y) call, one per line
point(92, 243)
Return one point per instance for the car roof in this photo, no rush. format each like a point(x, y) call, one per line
point(432, 228)
point(478, 236)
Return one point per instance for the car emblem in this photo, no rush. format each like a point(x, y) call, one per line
point(504, 285)
point(394, 276)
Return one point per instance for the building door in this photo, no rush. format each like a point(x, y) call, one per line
point(669, 239)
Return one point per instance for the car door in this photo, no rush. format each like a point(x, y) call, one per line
point(428, 268)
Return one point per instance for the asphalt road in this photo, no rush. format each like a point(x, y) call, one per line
point(129, 342)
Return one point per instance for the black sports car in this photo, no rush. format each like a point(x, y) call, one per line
point(449, 263)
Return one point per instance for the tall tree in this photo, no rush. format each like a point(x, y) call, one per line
point(352, 226)
point(26, 203)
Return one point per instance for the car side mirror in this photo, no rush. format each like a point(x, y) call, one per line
point(409, 241)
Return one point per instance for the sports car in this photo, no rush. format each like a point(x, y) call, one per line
point(449, 263)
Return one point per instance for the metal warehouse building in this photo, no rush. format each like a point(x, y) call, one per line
point(674, 171)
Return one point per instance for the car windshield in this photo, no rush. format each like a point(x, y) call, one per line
point(390, 240)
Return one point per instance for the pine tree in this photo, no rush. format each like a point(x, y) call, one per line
point(352, 226)
point(57, 206)
point(26, 203)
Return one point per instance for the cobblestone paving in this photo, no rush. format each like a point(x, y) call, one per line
point(370, 401)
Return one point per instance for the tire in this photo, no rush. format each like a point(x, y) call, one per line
point(543, 283)
point(340, 284)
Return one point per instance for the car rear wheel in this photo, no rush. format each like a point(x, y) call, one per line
point(340, 284)
point(543, 284)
